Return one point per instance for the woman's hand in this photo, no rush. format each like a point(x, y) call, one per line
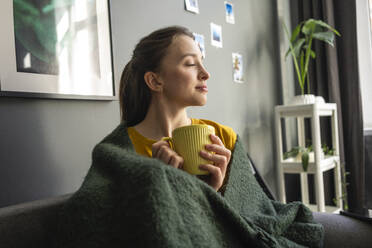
point(162, 151)
point(220, 158)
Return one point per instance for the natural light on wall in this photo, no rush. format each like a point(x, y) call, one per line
point(75, 46)
point(62, 28)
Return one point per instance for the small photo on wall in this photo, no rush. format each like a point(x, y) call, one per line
point(216, 35)
point(192, 6)
point(237, 61)
point(229, 13)
point(199, 39)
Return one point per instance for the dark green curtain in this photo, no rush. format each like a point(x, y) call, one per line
point(334, 75)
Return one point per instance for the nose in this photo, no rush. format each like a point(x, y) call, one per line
point(203, 74)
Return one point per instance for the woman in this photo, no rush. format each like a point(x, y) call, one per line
point(128, 200)
point(164, 77)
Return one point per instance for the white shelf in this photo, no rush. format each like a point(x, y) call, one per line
point(306, 110)
point(318, 162)
point(292, 165)
point(328, 209)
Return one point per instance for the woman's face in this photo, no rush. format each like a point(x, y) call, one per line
point(183, 74)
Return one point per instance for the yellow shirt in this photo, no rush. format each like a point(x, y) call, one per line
point(143, 145)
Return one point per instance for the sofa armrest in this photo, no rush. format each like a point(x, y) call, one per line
point(342, 231)
point(26, 224)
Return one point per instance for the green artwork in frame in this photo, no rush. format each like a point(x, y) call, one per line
point(60, 47)
point(39, 38)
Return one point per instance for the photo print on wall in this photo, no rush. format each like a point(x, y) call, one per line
point(237, 62)
point(199, 39)
point(192, 6)
point(216, 35)
point(229, 10)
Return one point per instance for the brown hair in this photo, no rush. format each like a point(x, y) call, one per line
point(135, 96)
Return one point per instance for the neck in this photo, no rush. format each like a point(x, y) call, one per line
point(161, 119)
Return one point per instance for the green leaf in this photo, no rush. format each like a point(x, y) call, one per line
point(57, 4)
point(302, 56)
point(325, 25)
point(296, 31)
point(287, 53)
point(25, 8)
point(293, 55)
point(327, 37)
point(291, 153)
point(308, 27)
point(305, 160)
point(297, 46)
point(312, 54)
point(311, 25)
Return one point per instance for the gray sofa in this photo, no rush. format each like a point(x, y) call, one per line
point(28, 225)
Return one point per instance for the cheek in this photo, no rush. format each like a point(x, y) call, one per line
point(181, 79)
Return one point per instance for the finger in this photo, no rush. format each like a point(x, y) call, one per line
point(215, 139)
point(218, 149)
point(156, 146)
point(215, 172)
point(181, 161)
point(216, 158)
point(165, 154)
point(176, 161)
point(173, 162)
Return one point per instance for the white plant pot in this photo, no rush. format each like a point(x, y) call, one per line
point(306, 99)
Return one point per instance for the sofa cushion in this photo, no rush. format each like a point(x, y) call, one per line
point(342, 231)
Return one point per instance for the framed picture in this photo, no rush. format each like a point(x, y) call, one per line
point(192, 6)
point(56, 49)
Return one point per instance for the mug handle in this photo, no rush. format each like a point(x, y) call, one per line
point(169, 140)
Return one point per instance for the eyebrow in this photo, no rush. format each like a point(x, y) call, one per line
point(189, 54)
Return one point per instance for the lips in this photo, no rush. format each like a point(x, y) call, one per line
point(203, 88)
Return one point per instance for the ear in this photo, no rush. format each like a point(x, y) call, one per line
point(153, 82)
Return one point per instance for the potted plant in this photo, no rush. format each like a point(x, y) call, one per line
point(306, 154)
point(300, 47)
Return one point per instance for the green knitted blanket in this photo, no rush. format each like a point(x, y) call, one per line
point(128, 200)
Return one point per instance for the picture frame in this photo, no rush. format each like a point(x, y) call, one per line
point(192, 6)
point(59, 51)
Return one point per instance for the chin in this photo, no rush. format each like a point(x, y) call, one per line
point(202, 102)
point(197, 101)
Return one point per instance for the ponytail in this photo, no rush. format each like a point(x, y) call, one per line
point(134, 97)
